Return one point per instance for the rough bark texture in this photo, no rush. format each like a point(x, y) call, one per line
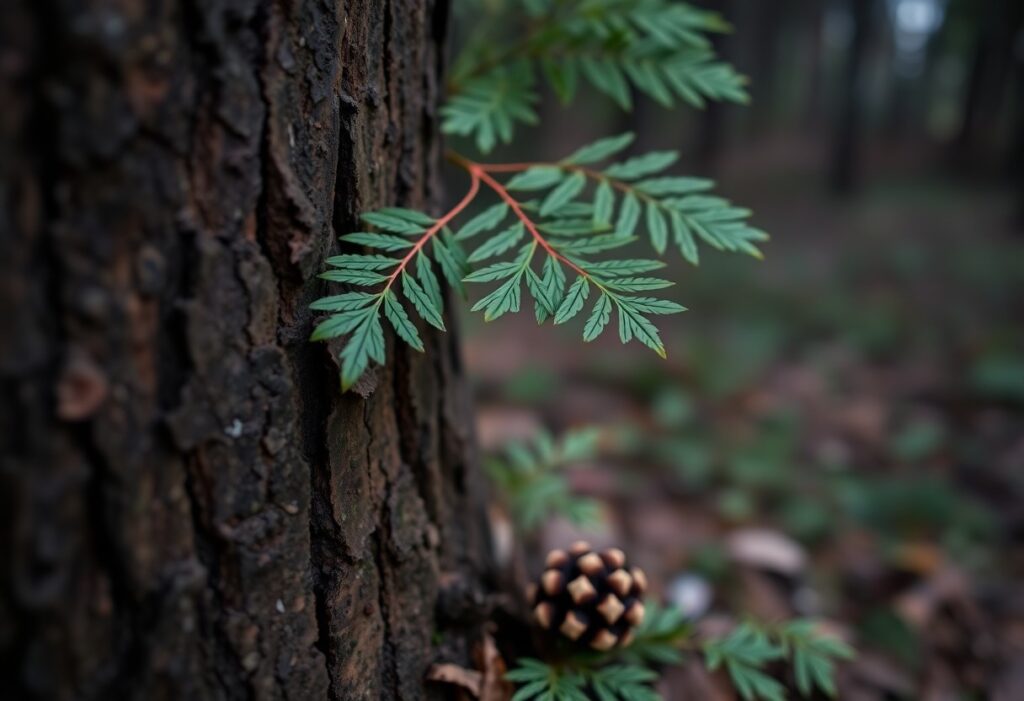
point(190, 508)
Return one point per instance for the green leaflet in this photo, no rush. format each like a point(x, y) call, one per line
point(646, 75)
point(553, 282)
point(640, 166)
point(389, 221)
point(629, 215)
point(606, 76)
point(632, 324)
point(593, 244)
point(598, 318)
point(343, 302)
point(601, 149)
point(497, 271)
point(422, 301)
point(541, 293)
point(498, 244)
point(354, 277)
point(604, 203)
point(366, 343)
point(342, 323)
point(385, 242)
point(405, 214)
point(637, 284)
point(428, 280)
point(684, 239)
point(359, 262)
point(671, 185)
point(400, 321)
point(561, 195)
point(652, 305)
point(448, 257)
point(657, 639)
point(485, 221)
point(657, 228)
point(536, 178)
point(504, 299)
point(562, 76)
point(574, 300)
point(578, 210)
point(571, 227)
point(619, 268)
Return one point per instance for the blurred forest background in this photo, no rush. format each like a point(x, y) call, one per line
point(838, 430)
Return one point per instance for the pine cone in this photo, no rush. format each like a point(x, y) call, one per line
point(590, 598)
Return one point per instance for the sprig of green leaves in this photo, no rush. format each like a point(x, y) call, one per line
point(743, 653)
point(669, 207)
point(554, 245)
point(812, 655)
point(660, 48)
point(551, 244)
point(746, 650)
point(357, 314)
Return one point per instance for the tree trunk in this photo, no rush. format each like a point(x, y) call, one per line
point(713, 121)
point(989, 83)
point(191, 508)
point(848, 121)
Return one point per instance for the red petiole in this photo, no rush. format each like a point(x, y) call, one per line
point(481, 172)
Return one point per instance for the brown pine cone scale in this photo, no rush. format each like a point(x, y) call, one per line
point(591, 598)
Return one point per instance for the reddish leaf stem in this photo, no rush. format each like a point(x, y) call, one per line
point(480, 172)
point(474, 187)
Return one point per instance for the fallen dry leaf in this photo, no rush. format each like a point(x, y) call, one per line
point(468, 679)
point(493, 686)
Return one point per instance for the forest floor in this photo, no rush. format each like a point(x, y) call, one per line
point(838, 432)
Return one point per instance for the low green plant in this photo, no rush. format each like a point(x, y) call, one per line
point(752, 656)
point(812, 655)
point(532, 482)
point(744, 653)
point(532, 478)
point(551, 223)
point(620, 682)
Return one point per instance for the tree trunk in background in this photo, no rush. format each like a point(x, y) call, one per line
point(712, 122)
point(848, 126)
point(191, 509)
point(812, 17)
point(767, 22)
point(999, 28)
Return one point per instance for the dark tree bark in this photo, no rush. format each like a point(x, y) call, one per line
point(191, 509)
